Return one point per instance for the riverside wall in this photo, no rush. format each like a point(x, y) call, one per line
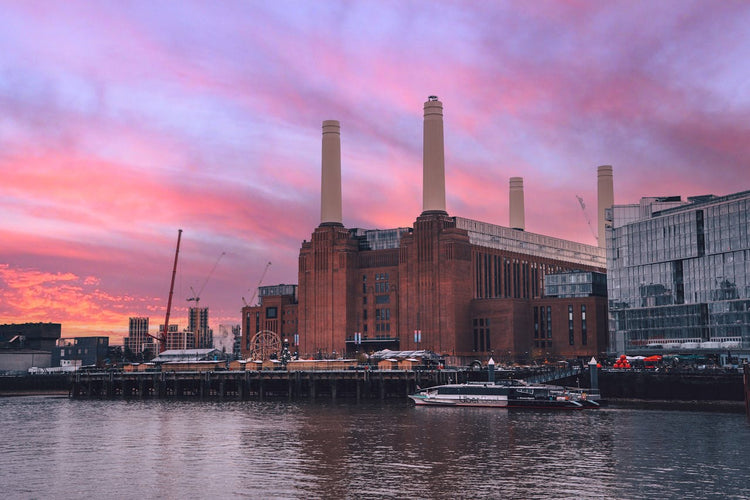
point(698, 385)
point(17, 385)
point(364, 384)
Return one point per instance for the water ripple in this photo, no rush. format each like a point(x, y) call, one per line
point(58, 448)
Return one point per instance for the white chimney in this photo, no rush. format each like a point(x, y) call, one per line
point(433, 165)
point(516, 210)
point(330, 182)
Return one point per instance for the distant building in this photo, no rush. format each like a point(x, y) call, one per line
point(17, 361)
point(228, 340)
point(187, 355)
point(679, 273)
point(276, 313)
point(80, 351)
point(198, 325)
point(138, 339)
point(39, 336)
point(176, 339)
point(574, 309)
point(237, 344)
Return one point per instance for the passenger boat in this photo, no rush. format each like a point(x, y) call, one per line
point(504, 394)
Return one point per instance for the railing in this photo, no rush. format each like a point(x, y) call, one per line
point(541, 378)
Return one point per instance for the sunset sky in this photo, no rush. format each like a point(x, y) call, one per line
point(121, 122)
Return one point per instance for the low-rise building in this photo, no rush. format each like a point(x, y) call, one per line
point(40, 336)
point(80, 351)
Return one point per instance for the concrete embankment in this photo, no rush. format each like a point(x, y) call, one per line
point(698, 385)
point(34, 384)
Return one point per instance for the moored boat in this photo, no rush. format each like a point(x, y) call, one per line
point(503, 394)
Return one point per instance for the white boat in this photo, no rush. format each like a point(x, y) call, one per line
point(503, 394)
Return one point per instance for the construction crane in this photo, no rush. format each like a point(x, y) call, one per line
point(255, 292)
point(197, 296)
point(586, 215)
point(163, 337)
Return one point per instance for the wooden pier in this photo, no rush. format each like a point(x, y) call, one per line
point(258, 385)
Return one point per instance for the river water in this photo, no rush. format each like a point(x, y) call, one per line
point(54, 447)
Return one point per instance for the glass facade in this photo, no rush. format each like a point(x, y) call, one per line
point(680, 276)
point(275, 290)
point(575, 284)
point(378, 239)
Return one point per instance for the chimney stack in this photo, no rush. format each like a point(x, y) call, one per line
point(433, 164)
point(517, 216)
point(605, 199)
point(330, 182)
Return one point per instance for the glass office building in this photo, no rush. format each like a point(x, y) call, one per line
point(679, 277)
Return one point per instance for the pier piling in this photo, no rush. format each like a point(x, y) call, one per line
point(260, 385)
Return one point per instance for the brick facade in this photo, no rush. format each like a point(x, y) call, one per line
point(436, 291)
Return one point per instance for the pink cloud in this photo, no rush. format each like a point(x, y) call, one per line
point(120, 126)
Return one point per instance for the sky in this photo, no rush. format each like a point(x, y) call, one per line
point(122, 122)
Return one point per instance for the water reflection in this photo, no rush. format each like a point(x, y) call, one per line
point(146, 449)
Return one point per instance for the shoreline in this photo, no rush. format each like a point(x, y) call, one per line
point(40, 392)
point(727, 406)
point(716, 405)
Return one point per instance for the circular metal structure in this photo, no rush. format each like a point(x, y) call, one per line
point(263, 344)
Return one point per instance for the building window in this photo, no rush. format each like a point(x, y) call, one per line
point(382, 314)
point(382, 299)
point(549, 322)
point(481, 333)
point(584, 333)
point(542, 323)
point(272, 312)
point(571, 335)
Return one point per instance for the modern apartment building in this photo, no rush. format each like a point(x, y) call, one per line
point(198, 326)
point(679, 273)
point(138, 339)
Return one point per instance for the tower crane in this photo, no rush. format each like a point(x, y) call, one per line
point(197, 296)
point(586, 215)
point(255, 292)
point(163, 337)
